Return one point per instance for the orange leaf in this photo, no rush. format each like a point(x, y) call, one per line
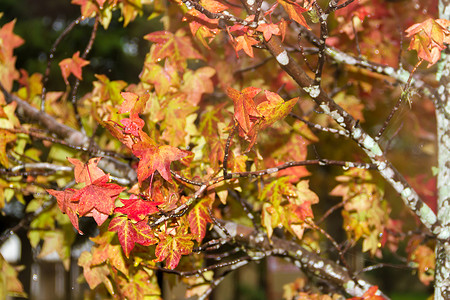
point(72, 66)
point(86, 172)
point(5, 138)
point(245, 43)
point(244, 106)
point(294, 11)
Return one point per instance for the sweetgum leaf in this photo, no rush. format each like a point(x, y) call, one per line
point(86, 172)
point(66, 205)
point(294, 11)
point(72, 66)
point(125, 231)
point(274, 109)
point(244, 106)
point(130, 233)
point(99, 195)
point(198, 218)
point(94, 275)
point(245, 43)
point(198, 82)
point(5, 138)
point(136, 208)
point(170, 248)
point(154, 158)
point(176, 46)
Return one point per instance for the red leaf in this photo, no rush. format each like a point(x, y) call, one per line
point(133, 125)
point(130, 233)
point(125, 231)
point(66, 205)
point(154, 158)
point(170, 248)
point(145, 234)
point(136, 208)
point(99, 195)
point(72, 66)
point(198, 219)
point(244, 106)
point(86, 172)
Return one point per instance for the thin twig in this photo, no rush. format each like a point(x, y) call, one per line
point(52, 55)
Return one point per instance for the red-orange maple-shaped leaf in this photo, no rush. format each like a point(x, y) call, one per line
point(294, 11)
point(170, 248)
point(154, 158)
point(136, 208)
point(130, 233)
point(244, 106)
point(274, 109)
point(88, 7)
point(86, 172)
point(145, 235)
point(429, 38)
point(133, 125)
point(198, 219)
point(268, 30)
point(99, 195)
point(125, 231)
point(245, 43)
point(66, 205)
point(72, 66)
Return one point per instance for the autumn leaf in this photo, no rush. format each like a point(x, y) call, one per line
point(130, 100)
point(133, 125)
point(245, 43)
point(99, 195)
point(129, 234)
point(176, 46)
point(86, 172)
point(244, 106)
point(125, 231)
point(294, 11)
point(198, 82)
point(88, 7)
point(5, 138)
point(170, 248)
point(274, 109)
point(428, 39)
point(136, 208)
point(199, 217)
point(268, 30)
point(94, 275)
point(66, 205)
point(213, 6)
point(156, 158)
point(72, 66)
